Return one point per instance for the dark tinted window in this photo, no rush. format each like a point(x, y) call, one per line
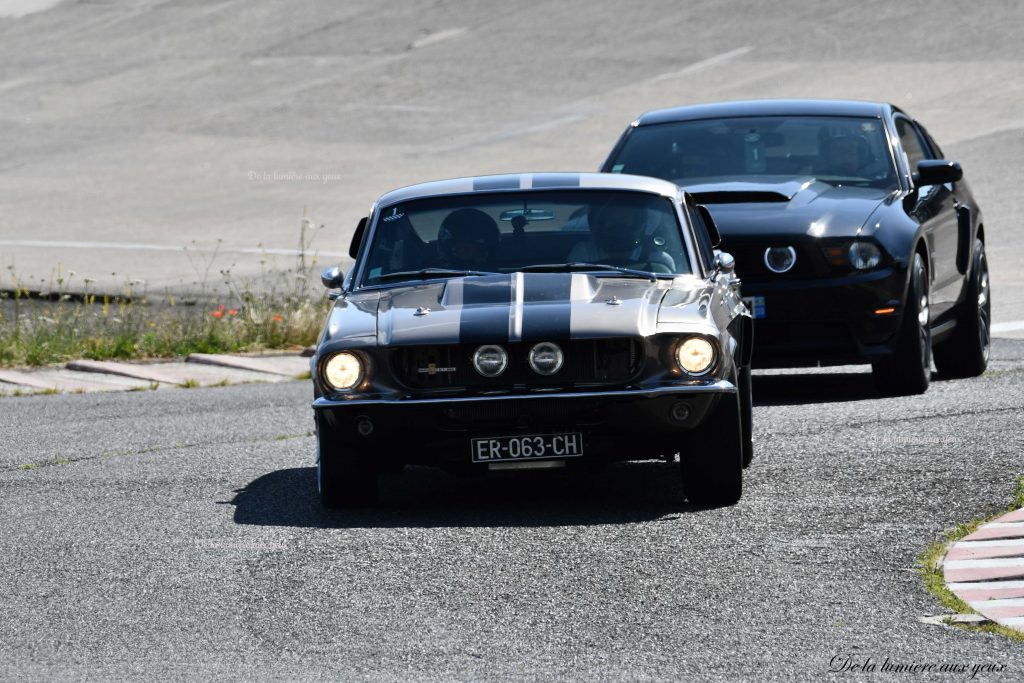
point(911, 141)
point(707, 252)
point(839, 150)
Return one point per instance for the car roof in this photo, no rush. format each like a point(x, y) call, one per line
point(740, 108)
point(531, 182)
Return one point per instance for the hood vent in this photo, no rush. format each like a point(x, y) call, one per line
point(739, 197)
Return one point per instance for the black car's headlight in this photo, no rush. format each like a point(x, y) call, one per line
point(343, 371)
point(864, 255)
point(858, 254)
point(696, 356)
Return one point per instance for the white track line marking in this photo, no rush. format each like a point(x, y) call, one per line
point(1011, 326)
point(702, 64)
point(439, 37)
point(20, 8)
point(141, 246)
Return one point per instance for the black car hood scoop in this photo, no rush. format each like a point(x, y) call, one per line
point(785, 207)
point(759, 191)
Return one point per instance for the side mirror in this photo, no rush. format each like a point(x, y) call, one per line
point(357, 237)
point(724, 262)
point(937, 172)
point(709, 223)
point(333, 278)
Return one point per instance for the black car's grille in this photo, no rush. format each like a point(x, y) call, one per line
point(588, 362)
point(750, 265)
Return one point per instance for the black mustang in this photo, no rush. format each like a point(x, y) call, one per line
point(533, 321)
point(856, 239)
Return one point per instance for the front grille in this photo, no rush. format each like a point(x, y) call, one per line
point(588, 363)
point(750, 265)
point(508, 411)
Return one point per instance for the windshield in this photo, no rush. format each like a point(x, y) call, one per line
point(833, 149)
point(621, 233)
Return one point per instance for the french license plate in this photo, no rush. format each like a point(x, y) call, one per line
point(756, 306)
point(532, 447)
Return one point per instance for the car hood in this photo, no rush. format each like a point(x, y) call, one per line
point(788, 207)
point(514, 307)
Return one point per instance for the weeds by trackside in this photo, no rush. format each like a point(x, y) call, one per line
point(64, 318)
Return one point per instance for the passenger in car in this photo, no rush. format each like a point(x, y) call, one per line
point(620, 235)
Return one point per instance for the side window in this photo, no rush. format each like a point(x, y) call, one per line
point(910, 140)
point(931, 143)
point(707, 252)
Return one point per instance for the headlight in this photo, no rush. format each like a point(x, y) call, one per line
point(343, 371)
point(779, 259)
point(864, 255)
point(696, 356)
point(490, 360)
point(546, 358)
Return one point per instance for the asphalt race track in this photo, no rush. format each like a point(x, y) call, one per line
point(176, 534)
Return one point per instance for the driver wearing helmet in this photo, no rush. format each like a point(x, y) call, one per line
point(468, 239)
point(619, 237)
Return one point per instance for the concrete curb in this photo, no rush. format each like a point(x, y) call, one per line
point(986, 570)
point(87, 376)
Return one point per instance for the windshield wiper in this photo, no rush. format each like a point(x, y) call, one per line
point(429, 273)
point(576, 266)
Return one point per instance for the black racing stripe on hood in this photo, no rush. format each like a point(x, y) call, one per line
point(546, 306)
point(486, 307)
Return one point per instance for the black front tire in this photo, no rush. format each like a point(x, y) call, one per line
point(908, 371)
point(712, 466)
point(965, 354)
point(344, 478)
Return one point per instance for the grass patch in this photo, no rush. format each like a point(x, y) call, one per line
point(50, 462)
point(935, 582)
point(60, 319)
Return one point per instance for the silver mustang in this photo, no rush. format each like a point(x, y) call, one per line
point(534, 321)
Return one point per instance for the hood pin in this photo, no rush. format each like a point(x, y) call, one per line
point(614, 301)
point(422, 310)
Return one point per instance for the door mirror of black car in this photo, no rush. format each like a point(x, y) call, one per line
point(357, 237)
point(937, 172)
point(724, 262)
point(333, 277)
point(709, 223)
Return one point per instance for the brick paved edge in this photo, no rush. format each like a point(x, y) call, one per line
point(986, 570)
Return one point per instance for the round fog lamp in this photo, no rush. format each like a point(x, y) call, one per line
point(546, 358)
point(864, 255)
point(779, 259)
point(343, 371)
point(695, 356)
point(490, 360)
